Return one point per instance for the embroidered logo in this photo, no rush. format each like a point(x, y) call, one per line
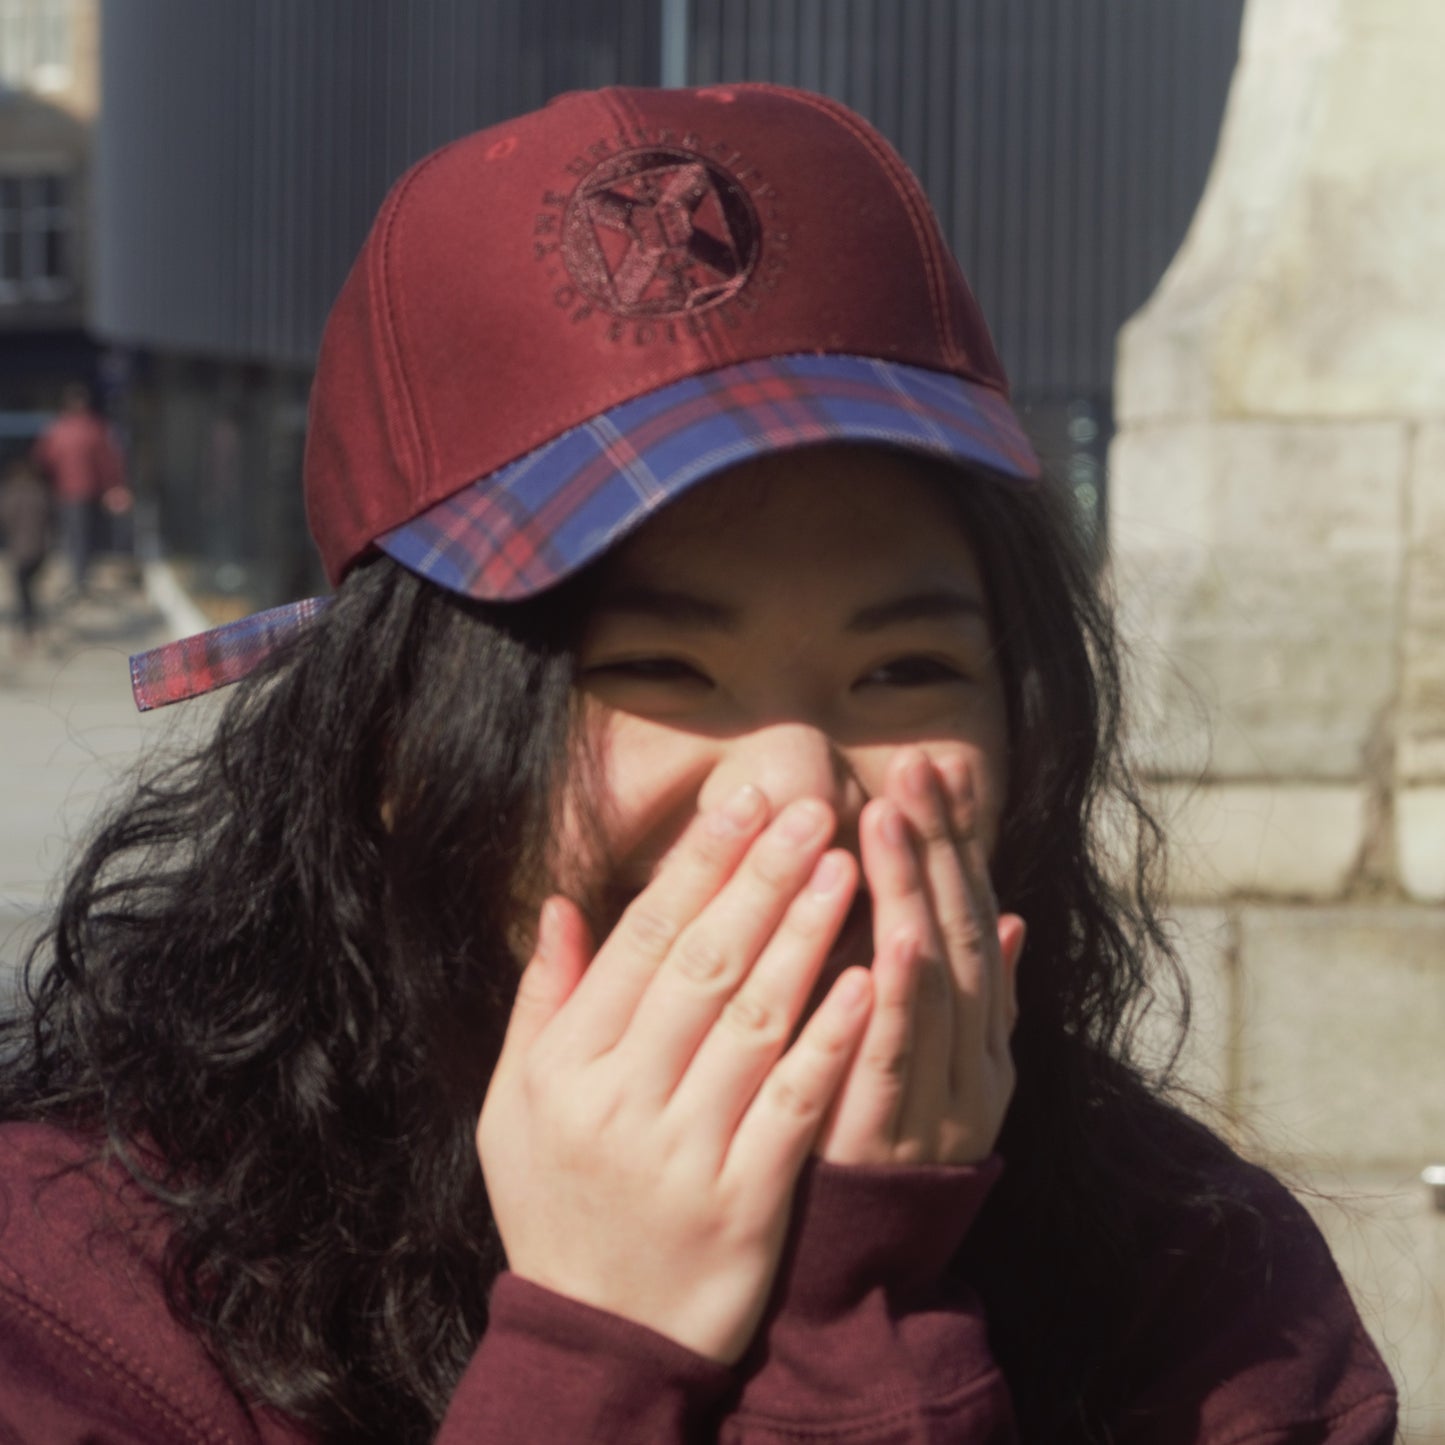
point(662, 236)
point(659, 233)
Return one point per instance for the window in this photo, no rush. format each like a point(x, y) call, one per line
point(35, 234)
point(35, 44)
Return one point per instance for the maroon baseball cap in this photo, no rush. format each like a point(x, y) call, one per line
point(560, 323)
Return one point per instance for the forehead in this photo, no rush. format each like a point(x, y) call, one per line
point(852, 517)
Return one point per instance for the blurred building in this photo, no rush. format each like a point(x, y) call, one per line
point(246, 144)
point(49, 90)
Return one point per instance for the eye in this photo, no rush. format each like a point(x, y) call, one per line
point(912, 671)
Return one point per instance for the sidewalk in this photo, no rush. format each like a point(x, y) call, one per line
point(69, 732)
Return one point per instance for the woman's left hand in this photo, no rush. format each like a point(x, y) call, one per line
point(932, 1079)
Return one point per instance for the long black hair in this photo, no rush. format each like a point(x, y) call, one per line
point(278, 978)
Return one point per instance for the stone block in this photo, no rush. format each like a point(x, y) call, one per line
point(1290, 297)
point(1427, 487)
point(1342, 1034)
point(1420, 843)
point(1204, 941)
point(1282, 841)
point(1390, 1246)
point(1420, 756)
point(1262, 611)
point(1277, 486)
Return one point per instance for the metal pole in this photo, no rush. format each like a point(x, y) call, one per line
point(676, 40)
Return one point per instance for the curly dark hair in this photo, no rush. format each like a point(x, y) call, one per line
point(282, 1010)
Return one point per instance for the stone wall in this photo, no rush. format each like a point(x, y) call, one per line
point(1277, 520)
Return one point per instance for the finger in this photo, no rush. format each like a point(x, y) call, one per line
point(690, 877)
point(1012, 934)
point(950, 856)
point(785, 1115)
point(976, 936)
point(862, 1127)
point(756, 1023)
point(902, 908)
point(719, 948)
point(563, 948)
point(964, 910)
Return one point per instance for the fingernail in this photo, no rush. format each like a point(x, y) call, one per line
point(891, 826)
point(915, 776)
point(829, 874)
point(955, 778)
point(801, 821)
point(851, 989)
point(740, 811)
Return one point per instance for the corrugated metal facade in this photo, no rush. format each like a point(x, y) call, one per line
point(1065, 143)
point(245, 145)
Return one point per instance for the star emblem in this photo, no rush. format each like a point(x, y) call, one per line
point(660, 233)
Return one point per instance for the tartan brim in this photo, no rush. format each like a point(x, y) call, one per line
point(539, 519)
point(176, 671)
point(532, 523)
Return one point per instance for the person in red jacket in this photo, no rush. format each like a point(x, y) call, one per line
point(579, 992)
point(79, 455)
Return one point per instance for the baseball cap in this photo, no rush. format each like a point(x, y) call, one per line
point(559, 324)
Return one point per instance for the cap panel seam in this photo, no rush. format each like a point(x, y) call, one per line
point(417, 439)
point(918, 218)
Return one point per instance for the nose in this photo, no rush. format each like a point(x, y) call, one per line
point(785, 761)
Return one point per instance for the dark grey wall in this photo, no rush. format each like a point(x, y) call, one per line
point(1065, 143)
point(246, 143)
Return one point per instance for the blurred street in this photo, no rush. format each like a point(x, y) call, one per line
point(68, 731)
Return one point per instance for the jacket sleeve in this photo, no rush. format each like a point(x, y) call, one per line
point(869, 1338)
point(551, 1369)
point(857, 1345)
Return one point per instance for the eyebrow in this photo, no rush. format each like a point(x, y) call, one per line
point(686, 609)
point(936, 604)
point(661, 604)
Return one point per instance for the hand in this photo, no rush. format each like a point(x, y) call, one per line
point(933, 1076)
point(644, 1126)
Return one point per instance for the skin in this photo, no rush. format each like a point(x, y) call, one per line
point(791, 685)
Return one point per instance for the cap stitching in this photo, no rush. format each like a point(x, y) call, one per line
point(419, 440)
point(907, 193)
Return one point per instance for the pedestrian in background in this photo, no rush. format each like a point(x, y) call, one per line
point(79, 455)
point(26, 521)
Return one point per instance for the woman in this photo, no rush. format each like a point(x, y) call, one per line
point(567, 1000)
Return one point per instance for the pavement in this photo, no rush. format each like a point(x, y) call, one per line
point(69, 730)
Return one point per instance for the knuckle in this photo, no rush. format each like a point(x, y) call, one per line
point(911, 1150)
point(774, 867)
point(752, 1019)
point(793, 1099)
point(889, 1062)
point(964, 934)
point(702, 960)
point(650, 930)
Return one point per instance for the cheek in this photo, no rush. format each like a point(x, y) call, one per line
point(629, 802)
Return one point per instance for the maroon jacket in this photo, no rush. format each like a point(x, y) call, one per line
point(863, 1347)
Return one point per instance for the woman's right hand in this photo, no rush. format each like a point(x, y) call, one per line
point(647, 1120)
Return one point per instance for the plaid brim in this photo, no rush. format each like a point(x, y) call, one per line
point(178, 670)
point(527, 526)
point(535, 521)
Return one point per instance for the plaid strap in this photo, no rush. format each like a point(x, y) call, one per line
point(178, 670)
